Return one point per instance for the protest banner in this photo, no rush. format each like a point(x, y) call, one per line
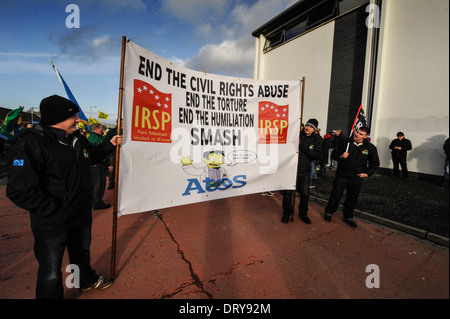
point(191, 136)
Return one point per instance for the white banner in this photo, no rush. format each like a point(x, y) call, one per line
point(192, 137)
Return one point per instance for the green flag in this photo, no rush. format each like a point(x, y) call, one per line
point(13, 118)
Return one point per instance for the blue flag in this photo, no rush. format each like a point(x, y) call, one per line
point(81, 115)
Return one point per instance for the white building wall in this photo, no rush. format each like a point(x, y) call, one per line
point(411, 84)
point(308, 56)
point(411, 93)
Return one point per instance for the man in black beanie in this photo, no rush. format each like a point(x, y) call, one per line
point(310, 149)
point(50, 176)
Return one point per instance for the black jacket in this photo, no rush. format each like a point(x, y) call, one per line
point(310, 149)
point(50, 176)
point(361, 159)
point(403, 143)
point(445, 147)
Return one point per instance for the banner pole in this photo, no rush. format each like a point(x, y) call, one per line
point(299, 140)
point(116, 169)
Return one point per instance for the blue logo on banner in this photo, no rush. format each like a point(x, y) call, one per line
point(18, 162)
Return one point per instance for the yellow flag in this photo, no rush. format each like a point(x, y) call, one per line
point(93, 120)
point(102, 115)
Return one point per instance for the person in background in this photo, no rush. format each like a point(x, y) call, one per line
point(98, 171)
point(399, 147)
point(313, 173)
point(336, 138)
point(326, 143)
point(112, 158)
point(446, 170)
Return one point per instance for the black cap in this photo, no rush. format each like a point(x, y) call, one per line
point(55, 109)
point(313, 123)
point(400, 134)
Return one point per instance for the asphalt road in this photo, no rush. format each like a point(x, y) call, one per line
point(236, 249)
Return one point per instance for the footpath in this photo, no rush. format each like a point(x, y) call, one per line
point(236, 249)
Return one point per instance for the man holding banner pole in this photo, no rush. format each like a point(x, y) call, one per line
point(310, 149)
point(50, 176)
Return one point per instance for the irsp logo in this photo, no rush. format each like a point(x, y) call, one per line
point(152, 114)
point(273, 123)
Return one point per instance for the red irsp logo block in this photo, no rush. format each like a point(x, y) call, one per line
point(273, 123)
point(152, 114)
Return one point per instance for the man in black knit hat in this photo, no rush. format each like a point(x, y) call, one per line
point(310, 149)
point(50, 176)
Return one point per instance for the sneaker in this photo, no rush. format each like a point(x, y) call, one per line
point(327, 217)
point(267, 194)
point(312, 186)
point(350, 222)
point(100, 284)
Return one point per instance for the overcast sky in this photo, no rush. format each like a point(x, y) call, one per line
point(199, 34)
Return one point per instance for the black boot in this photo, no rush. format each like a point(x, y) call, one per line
point(304, 218)
point(285, 218)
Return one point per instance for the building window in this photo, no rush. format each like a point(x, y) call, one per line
point(327, 10)
point(310, 17)
point(296, 29)
point(274, 39)
point(347, 5)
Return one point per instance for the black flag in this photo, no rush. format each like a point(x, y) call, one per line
point(360, 121)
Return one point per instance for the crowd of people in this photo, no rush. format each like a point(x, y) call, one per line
point(354, 159)
point(57, 172)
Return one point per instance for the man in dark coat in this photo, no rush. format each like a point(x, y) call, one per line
point(112, 158)
point(355, 164)
point(50, 176)
point(446, 169)
point(98, 171)
point(399, 147)
point(310, 149)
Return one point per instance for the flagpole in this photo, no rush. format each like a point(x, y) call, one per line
point(299, 140)
point(116, 169)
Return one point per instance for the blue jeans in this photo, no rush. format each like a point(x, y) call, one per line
point(49, 250)
point(313, 172)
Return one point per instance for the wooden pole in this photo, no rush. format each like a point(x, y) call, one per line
point(116, 169)
point(299, 141)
